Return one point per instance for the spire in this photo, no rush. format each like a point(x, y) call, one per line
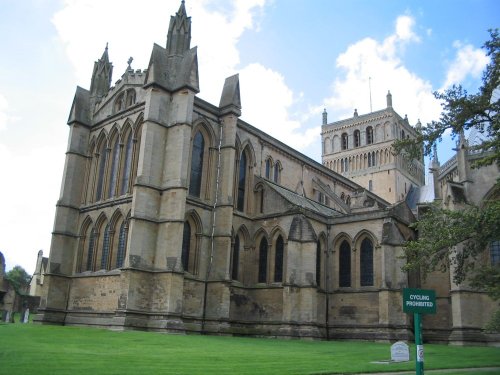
point(101, 76)
point(389, 99)
point(179, 32)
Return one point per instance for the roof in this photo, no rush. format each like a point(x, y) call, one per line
point(301, 201)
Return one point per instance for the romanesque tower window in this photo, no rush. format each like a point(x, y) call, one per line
point(196, 165)
point(278, 260)
point(344, 141)
point(369, 135)
point(345, 264)
point(371, 159)
point(357, 138)
point(236, 258)
point(262, 261)
point(366, 262)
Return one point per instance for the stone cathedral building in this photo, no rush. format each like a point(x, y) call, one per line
point(177, 216)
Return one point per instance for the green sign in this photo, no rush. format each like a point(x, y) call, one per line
point(422, 301)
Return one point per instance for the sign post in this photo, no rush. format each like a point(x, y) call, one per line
point(419, 301)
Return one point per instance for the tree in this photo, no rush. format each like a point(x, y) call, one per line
point(440, 230)
point(463, 111)
point(473, 228)
point(19, 279)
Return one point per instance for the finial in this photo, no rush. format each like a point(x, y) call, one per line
point(389, 99)
point(129, 61)
point(325, 117)
point(355, 112)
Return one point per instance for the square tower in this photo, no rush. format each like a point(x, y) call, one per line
point(360, 148)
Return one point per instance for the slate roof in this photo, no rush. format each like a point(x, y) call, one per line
point(301, 201)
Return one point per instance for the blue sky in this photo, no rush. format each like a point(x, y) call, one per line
point(294, 57)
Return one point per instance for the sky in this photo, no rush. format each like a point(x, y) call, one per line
point(295, 58)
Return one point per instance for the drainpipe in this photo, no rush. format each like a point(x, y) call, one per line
point(214, 214)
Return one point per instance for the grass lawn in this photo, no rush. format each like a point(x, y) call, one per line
point(33, 349)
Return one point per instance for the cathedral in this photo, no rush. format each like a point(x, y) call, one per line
point(177, 216)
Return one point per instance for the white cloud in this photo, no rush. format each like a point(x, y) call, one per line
point(267, 101)
point(3, 112)
point(379, 65)
point(19, 243)
point(469, 61)
point(6, 116)
point(216, 29)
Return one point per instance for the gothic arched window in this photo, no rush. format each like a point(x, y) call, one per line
point(278, 260)
point(277, 171)
point(262, 261)
point(113, 175)
point(318, 263)
point(236, 258)
point(196, 165)
point(242, 176)
point(268, 168)
point(366, 263)
point(122, 244)
point(186, 245)
point(345, 264)
point(90, 250)
point(100, 171)
point(105, 247)
point(130, 97)
point(495, 252)
point(127, 165)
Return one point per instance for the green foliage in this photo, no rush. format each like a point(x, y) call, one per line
point(19, 279)
point(463, 111)
point(41, 350)
point(493, 325)
point(488, 279)
point(440, 230)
